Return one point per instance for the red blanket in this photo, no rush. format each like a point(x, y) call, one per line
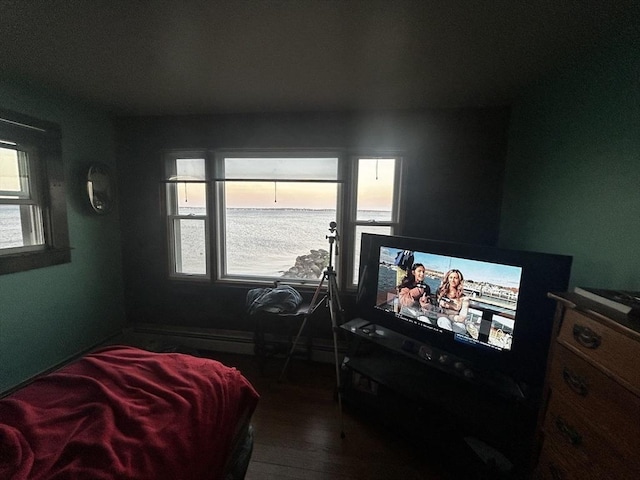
point(124, 413)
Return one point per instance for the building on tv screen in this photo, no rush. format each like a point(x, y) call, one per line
point(474, 300)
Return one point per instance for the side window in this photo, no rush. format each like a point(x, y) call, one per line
point(187, 215)
point(20, 206)
point(33, 217)
point(376, 204)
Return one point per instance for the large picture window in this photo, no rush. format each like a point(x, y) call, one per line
point(265, 216)
point(33, 219)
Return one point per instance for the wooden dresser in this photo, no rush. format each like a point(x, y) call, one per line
point(590, 426)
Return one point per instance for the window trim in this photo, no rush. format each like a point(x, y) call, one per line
point(45, 137)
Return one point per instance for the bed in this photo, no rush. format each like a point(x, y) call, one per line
point(125, 413)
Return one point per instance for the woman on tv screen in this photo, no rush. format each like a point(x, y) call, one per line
point(412, 291)
point(452, 300)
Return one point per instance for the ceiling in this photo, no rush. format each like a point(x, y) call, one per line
point(186, 56)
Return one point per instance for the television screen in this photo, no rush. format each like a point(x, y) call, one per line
point(474, 301)
point(486, 305)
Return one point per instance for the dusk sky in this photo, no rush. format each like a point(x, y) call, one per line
point(375, 188)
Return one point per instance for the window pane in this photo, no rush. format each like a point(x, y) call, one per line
point(359, 231)
point(278, 229)
point(14, 182)
point(190, 241)
point(10, 227)
point(281, 168)
point(190, 169)
point(191, 198)
point(376, 181)
point(20, 226)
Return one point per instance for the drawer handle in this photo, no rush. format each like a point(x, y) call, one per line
point(572, 435)
point(586, 337)
point(576, 383)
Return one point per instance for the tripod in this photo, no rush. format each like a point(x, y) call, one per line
point(332, 299)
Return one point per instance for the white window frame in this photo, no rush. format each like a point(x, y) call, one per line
point(173, 217)
point(346, 210)
point(353, 223)
point(27, 199)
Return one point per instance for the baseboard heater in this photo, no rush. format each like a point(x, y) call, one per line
point(154, 336)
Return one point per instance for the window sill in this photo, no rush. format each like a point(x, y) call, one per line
point(32, 260)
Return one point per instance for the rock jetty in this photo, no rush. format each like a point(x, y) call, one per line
point(309, 266)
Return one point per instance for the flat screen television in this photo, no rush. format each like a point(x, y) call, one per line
point(499, 317)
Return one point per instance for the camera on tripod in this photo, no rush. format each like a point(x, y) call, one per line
point(332, 237)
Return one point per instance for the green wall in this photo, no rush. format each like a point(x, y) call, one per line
point(48, 315)
point(572, 182)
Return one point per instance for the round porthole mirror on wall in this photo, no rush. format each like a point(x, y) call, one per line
point(100, 188)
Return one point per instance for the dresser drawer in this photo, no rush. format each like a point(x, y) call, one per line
point(580, 445)
point(553, 465)
point(611, 408)
point(556, 464)
point(617, 353)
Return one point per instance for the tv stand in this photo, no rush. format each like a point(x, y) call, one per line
point(434, 395)
point(435, 358)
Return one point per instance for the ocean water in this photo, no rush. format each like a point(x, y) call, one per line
point(10, 230)
point(259, 241)
point(266, 242)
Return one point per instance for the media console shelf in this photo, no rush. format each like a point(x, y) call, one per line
point(434, 396)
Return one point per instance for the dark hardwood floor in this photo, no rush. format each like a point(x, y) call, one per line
point(297, 429)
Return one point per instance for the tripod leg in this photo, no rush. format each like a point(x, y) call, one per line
point(312, 308)
point(336, 298)
point(334, 304)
